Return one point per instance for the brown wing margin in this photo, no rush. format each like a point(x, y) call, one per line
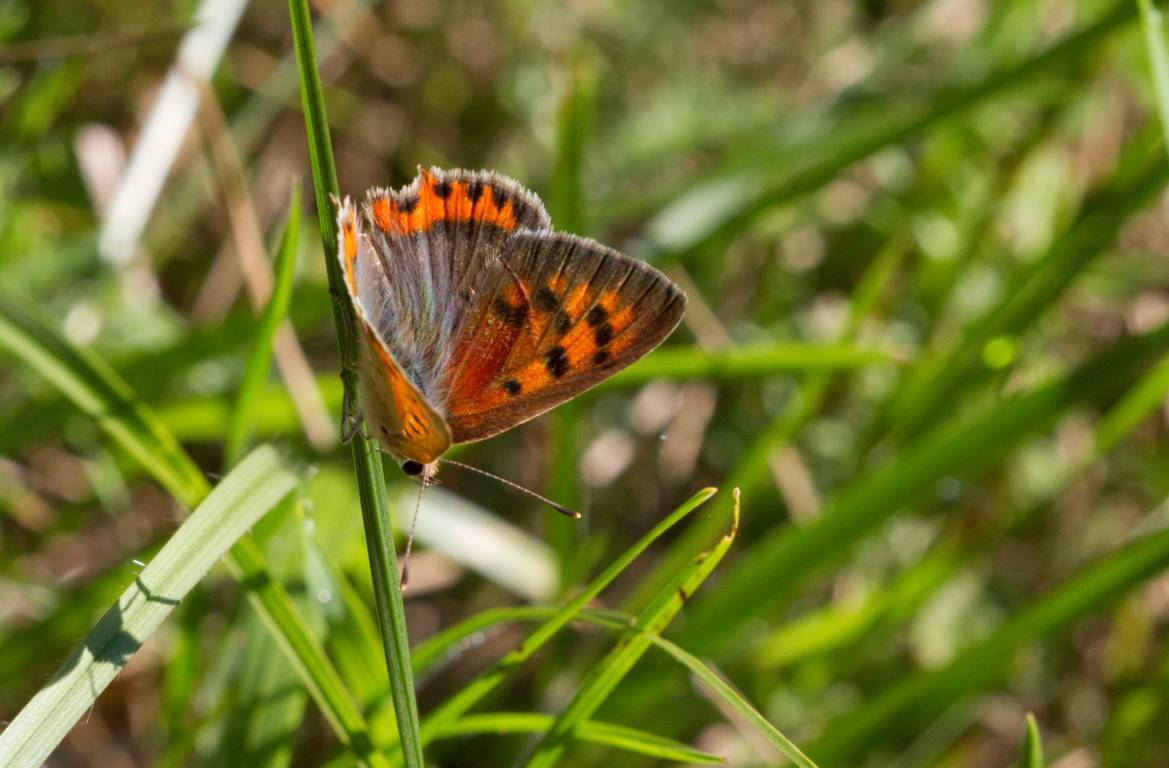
point(559, 315)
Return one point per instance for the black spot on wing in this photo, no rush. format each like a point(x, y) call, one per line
point(501, 197)
point(603, 334)
point(442, 189)
point(474, 191)
point(556, 361)
point(508, 313)
point(545, 300)
point(596, 315)
point(562, 323)
point(512, 387)
point(600, 357)
point(407, 203)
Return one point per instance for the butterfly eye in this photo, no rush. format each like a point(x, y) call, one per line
point(411, 467)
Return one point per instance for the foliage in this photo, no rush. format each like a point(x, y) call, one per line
point(924, 245)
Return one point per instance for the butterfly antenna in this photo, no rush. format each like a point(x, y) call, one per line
point(410, 541)
point(558, 507)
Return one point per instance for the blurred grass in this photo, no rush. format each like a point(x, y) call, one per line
point(925, 250)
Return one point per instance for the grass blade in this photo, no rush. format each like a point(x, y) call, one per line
point(747, 362)
point(1153, 25)
point(607, 675)
point(609, 734)
point(100, 393)
point(243, 416)
point(434, 649)
point(366, 457)
point(454, 707)
point(1032, 753)
point(244, 496)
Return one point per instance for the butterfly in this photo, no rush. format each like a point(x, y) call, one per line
point(474, 315)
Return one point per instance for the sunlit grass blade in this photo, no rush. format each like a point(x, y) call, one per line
point(98, 392)
point(608, 734)
point(244, 496)
point(432, 651)
point(1153, 24)
point(607, 674)
point(366, 457)
point(447, 643)
point(748, 362)
point(256, 373)
point(721, 688)
point(455, 706)
point(785, 559)
point(1138, 402)
point(915, 701)
point(1031, 755)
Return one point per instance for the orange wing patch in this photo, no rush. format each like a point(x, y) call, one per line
point(438, 199)
point(413, 430)
point(585, 346)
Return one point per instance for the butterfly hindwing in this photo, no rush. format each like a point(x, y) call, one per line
point(395, 409)
point(556, 315)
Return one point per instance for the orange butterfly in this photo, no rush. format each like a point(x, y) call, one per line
point(476, 316)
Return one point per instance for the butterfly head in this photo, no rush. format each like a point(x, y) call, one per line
point(424, 472)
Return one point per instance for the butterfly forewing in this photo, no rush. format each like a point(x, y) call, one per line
point(557, 315)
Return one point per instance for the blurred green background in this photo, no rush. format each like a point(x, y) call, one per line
point(925, 246)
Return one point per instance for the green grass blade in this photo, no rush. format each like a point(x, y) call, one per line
point(609, 734)
point(431, 651)
point(573, 127)
point(915, 701)
point(366, 457)
point(243, 416)
point(1153, 25)
point(789, 556)
point(243, 497)
point(747, 362)
point(736, 700)
point(437, 647)
point(100, 393)
point(1138, 402)
point(604, 678)
point(454, 707)
point(1031, 755)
